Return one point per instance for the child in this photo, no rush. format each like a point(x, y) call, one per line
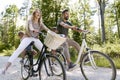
point(21, 36)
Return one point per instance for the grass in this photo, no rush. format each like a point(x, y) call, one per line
point(117, 62)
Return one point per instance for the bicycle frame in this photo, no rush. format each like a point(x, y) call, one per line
point(39, 59)
point(84, 46)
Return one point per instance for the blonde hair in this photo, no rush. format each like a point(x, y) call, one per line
point(33, 15)
point(32, 20)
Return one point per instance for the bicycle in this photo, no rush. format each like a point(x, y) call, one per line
point(44, 65)
point(93, 62)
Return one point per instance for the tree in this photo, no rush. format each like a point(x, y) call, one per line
point(102, 11)
point(9, 23)
point(117, 13)
point(80, 15)
point(25, 9)
point(50, 10)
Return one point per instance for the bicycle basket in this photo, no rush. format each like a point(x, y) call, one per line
point(53, 40)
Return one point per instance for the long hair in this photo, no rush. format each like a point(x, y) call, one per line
point(33, 16)
point(32, 19)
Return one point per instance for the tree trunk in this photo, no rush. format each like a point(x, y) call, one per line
point(102, 10)
point(117, 22)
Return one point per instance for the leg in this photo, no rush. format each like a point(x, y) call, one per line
point(74, 44)
point(67, 55)
point(66, 52)
point(7, 66)
point(38, 44)
point(24, 43)
point(23, 54)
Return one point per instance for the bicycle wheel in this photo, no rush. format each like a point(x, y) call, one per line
point(98, 67)
point(49, 69)
point(25, 68)
point(62, 58)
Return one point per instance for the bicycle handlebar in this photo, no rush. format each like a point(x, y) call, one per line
point(83, 31)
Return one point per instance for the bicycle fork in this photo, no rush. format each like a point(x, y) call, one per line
point(90, 56)
point(50, 67)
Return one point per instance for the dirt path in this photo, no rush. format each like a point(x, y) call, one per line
point(14, 72)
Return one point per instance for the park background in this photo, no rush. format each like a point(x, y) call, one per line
point(100, 17)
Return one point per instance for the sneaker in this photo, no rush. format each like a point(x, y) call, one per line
point(71, 65)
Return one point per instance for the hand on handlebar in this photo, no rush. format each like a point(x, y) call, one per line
point(77, 29)
point(86, 31)
point(80, 30)
point(74, 28)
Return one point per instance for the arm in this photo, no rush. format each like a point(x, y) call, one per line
point(77, 29)
point(44, 27)
point(71, 27)
point(66, 25)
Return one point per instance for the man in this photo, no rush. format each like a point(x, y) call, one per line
point(63, 26)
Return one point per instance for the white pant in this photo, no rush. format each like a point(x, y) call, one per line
point(24, 43)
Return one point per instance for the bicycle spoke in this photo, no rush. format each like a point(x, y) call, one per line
point(99, 66)
point(50, 70)
point(25, 69)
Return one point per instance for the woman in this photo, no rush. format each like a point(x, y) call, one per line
point(34, 26)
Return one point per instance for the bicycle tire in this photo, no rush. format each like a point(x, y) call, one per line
point(25, 68)
point(48, 68)
point(62, 58)
point(103, 63)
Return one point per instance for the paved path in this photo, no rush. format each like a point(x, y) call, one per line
point(14, 72)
